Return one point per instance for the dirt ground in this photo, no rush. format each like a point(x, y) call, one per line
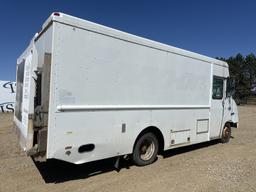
point(205, 167)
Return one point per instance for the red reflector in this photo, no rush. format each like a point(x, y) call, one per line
point(56, 14)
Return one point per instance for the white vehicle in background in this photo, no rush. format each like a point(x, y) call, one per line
point(87, 92)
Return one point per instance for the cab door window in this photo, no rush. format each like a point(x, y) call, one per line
point(217, 88)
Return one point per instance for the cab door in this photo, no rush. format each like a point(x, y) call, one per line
point(217, 106)
point(24, 97)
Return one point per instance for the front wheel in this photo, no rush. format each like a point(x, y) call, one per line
point(145, 149)
point(226, 133)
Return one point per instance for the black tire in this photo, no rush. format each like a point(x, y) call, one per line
point(145, 149)
point(226, 133)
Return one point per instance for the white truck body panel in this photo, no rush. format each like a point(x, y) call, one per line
point(107, 86)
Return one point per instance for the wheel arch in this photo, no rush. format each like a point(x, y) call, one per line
point(157, 132)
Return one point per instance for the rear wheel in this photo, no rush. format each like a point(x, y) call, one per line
point(145, 149)
point(226, 133)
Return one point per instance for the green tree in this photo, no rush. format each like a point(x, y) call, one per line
point(237, 71)
point(243, 70)
point(250, 69)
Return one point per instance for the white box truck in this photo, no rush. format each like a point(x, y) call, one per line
point(86, 92)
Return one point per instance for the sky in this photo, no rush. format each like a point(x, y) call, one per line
point(216, 28)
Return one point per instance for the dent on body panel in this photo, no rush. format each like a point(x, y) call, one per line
point(66, 97)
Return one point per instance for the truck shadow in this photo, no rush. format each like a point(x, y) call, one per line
point(56, 171)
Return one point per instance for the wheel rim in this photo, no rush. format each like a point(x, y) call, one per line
point(147, 149)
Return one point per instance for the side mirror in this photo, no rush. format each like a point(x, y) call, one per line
point(230, 87)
